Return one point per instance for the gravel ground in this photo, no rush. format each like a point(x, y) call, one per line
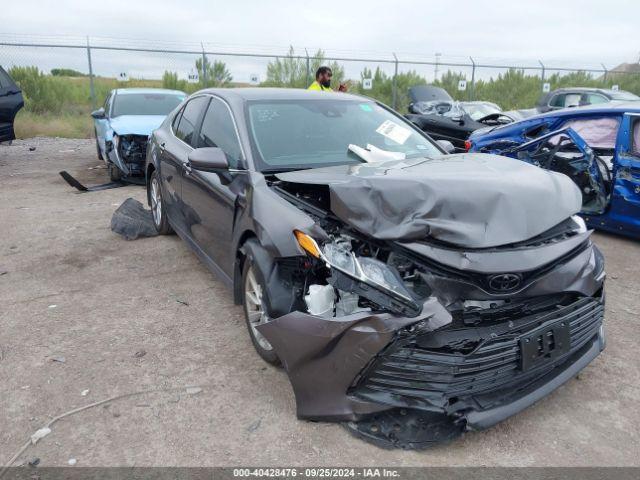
point(86, 315)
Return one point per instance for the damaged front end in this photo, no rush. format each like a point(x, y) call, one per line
point(411, 343)
point(128, 153)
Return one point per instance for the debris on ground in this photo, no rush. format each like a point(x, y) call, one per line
point(43, 432)
point(72, 461)
point(32, 149)
point(140, 353)
point(59, 359)
point(53, 306)
point(84, 393)
point(182, 302)
point(193, 390)
point(34, 462)
point(71, 180)
point(132, 220)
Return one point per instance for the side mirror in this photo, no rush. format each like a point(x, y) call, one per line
point(208, 159)
point(446, 145)
point(98, 114)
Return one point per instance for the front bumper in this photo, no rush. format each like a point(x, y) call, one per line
point(370, 369)
point(481, 419)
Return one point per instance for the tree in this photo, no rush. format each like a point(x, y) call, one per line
point(217, 74)
point(291, 71)
point(170, 80)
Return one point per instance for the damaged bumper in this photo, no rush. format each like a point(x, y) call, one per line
point(411, 382)
point(128, 153)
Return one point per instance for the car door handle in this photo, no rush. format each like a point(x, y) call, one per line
point(187, 167)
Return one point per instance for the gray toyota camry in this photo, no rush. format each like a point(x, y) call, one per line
point(408, 293)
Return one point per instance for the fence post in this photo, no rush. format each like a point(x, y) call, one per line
point(543, 72)
point(204, 67)
point(472, 90)
point(308, 81)
point(92, 90)
point(605, 72)
point(394, 87)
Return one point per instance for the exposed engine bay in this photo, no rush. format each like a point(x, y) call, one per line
point(130, 151)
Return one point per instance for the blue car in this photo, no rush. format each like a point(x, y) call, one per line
point(123, 126)
point(597, 146)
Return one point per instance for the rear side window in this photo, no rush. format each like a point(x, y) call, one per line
point(189, 120)
point(572, 100)
point(218, 130)
point(594, 98)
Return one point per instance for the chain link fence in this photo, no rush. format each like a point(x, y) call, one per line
point(91, 67)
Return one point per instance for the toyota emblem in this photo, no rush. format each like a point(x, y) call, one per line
point(504, 282)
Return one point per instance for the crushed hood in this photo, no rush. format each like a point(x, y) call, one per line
point(136, 124)
point(472, 200)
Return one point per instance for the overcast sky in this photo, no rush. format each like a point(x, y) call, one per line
point(575, 33)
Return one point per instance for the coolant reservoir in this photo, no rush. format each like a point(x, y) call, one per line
point(320, 300)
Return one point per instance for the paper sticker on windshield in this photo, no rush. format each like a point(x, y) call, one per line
point(394, 132)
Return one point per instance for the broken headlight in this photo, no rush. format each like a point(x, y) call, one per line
point(579, 221)
point(365, 276)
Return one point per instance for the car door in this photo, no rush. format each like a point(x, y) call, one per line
point(174, 145)
point(211, 197)
point(10, 102)
point(625, 198)
point(566, 152)
point(102, 124)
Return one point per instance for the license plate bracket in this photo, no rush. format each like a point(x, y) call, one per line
point(544, 344)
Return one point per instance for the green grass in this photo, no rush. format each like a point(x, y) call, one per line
point(66, 125)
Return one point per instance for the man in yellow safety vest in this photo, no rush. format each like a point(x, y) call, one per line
point(323, 81)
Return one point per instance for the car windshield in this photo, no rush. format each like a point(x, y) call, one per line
point(145, 103)
point(298, 134)
point(626, 96)
point(480, 110)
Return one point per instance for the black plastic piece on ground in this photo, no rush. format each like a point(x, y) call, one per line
point(77, 185)
point(405, 428)
point(132, 221)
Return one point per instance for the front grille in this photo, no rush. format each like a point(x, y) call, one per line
point(441, 377)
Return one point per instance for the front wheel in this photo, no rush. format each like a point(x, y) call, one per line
point(157, 206)
point(255, 311)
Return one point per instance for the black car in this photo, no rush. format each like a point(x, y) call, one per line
point(11, 102)
point(435, 112)
point(580, 96)
point(409, 293)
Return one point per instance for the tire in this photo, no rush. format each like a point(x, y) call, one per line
point(158, 210)
point(115, 175)
point(100, 157)
point(255, 312)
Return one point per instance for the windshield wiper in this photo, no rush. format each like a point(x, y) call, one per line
point(284, 169)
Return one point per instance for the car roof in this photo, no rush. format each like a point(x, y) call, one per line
point(127, 91)
point(262, 93)
point(586, 89)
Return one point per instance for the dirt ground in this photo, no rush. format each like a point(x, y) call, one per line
point(146, 315)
